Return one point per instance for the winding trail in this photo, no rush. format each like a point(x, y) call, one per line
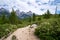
point(25, 33)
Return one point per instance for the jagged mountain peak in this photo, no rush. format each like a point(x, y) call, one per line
point(4, 11)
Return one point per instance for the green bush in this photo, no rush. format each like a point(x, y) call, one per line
point(14, 37)
point(49, 30)
point(6, 29)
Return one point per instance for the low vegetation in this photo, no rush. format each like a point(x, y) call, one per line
point(48, 25)
point(11, 23)
point(14, 37)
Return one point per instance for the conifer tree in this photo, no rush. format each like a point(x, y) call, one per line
point(13, 17)
point(47, 14)
point(34, 17)
point(3, 18)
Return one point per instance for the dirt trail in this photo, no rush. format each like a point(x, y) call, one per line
point(25, 33)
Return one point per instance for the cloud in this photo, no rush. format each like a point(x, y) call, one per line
point(35, 6)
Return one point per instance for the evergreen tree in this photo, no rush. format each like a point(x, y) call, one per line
point(39, 18)
point(47, 14)
point(3, 19)
point(13, 17)
point(59, 14)
point(30, 19)
point(34, 17)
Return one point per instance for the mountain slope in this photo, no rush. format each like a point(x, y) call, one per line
point(4, 11)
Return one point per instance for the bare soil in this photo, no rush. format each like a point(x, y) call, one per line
point(25, 33)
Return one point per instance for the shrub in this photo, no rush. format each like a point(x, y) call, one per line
point(14, 37)
point(49, 30)
point(5, 29)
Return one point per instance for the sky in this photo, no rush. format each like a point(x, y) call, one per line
point(36, 6)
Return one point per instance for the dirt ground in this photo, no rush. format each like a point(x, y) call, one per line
point(25, 33)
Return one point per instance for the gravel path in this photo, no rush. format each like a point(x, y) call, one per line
point(25, 33)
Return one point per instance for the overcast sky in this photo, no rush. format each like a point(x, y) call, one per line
point(36, 6)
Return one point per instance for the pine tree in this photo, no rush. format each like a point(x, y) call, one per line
point(3, 18)
point(47, 14)
point(34, 17)
point(13, 17)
